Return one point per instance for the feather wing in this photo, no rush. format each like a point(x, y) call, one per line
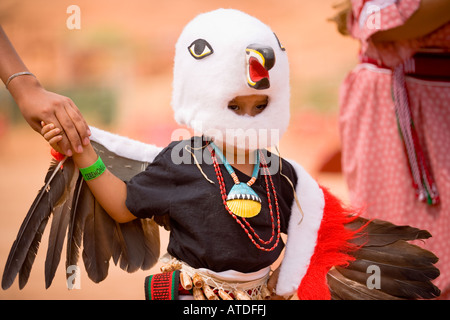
point(399, 269)
point(77, 215)
point(26, 245)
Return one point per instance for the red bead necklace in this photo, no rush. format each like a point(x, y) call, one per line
point(251, 233)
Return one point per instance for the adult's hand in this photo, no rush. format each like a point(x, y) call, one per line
point(38, 104)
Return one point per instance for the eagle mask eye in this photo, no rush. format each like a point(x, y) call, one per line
point(200, 49)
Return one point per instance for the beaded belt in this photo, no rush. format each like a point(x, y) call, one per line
point(205, 284)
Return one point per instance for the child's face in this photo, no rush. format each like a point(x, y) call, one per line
point(248, 105)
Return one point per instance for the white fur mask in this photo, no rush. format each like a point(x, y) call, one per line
point(211, 69)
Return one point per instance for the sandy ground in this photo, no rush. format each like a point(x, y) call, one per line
point(317, 53)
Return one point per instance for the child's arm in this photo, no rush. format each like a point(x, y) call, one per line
point(108, 190)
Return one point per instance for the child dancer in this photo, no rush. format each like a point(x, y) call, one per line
point(231, 85)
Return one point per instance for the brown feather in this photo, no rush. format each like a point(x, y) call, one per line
point(343, 288)
point(119, 247)
point(400, 253)
point(76, 224)
point(25, 269)
point(136, 245)
point(400, 272)
point(407, 289)
point(132, 245)
point(380, 233)
point(25, 247)
point(60, 222)
point(151, 243)
point(97, 240)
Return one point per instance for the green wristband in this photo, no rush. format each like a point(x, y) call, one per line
point(93, 171)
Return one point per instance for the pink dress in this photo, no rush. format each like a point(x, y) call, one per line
point(373, 157)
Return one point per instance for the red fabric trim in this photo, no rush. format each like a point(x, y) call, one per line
point(56, 155)
point(332, 249)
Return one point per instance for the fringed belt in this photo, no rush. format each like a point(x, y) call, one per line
point(428, 66)
point(180, 279)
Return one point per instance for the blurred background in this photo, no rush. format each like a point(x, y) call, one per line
point(117, 68)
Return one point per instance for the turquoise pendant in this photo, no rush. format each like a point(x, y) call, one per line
point(243, 201)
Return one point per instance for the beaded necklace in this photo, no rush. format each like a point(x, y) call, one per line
point(241, 200)
point(244, 193)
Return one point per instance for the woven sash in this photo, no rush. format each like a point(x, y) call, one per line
point(162, 286)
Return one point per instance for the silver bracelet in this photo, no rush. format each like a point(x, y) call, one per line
point(17, 75)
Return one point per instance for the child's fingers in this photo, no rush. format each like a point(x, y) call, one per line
point(54, 141)
point(47, 127)
point(52, 133)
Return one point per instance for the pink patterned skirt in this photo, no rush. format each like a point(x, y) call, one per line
point(374, 161)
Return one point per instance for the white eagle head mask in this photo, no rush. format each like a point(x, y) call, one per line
point(224, 54)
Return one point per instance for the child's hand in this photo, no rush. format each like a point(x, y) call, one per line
point(53, 135)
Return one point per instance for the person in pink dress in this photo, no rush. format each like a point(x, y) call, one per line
point(395, 117)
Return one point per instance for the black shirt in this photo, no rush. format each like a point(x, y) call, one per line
point(203, 234)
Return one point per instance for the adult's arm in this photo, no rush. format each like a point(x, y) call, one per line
point(431, 15)
point(37, 104)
